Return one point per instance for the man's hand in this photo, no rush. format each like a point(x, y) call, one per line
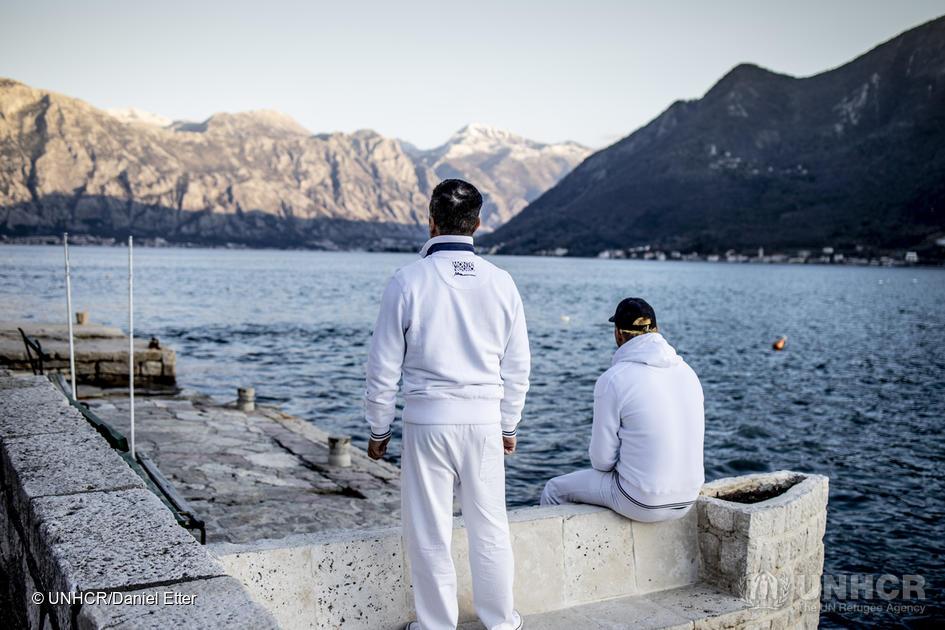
point(377, 448)
point(508, 443)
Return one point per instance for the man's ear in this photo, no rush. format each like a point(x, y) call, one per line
point(433, 230)
point(620, 337)
point(478, 224)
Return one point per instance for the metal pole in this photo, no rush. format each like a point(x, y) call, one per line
point(72, 377)
point(131, 341)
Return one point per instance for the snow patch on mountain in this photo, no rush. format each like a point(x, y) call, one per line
point(133, 115)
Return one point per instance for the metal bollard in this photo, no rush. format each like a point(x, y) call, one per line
point(246, 398)
point(82, 318)
point(339, 453)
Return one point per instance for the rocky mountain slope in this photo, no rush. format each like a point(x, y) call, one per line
point(852, 156)
point(510, 170)
point(256, 178)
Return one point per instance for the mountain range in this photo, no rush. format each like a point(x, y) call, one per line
point(257, 178)
point(852, 158)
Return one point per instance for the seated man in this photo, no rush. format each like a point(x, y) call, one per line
point(646, 442)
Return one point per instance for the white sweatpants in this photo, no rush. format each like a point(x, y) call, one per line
point(603, 488)
point(467, 458)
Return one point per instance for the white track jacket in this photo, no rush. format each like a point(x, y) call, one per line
point(649, 423)
point(452, 325)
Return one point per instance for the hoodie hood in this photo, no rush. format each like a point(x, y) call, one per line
point(650, 349)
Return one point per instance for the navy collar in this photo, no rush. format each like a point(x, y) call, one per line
point(447, 242)
point(449, 247)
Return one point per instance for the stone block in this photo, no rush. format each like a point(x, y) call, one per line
point(630, 612)
point(36, 466)
point(809, 570)
point(20, 394)
point(17, 585)
point(361, 583)
point(150, 368)
point(539, 562)
point(733, 555)
point(764, 555)
point(9, 381)
point(282, 579)
point(104, 541)
point(46, 416)
point(720, 516)
point(699, 602)
point(709, 548)
point(212, 603)
point(112, 368)
point(770, 522)
point(343, 579)
point(598, 557)
point(666, 554)
point(538, 550)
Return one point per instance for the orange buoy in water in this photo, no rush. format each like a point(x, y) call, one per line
point(779, 344)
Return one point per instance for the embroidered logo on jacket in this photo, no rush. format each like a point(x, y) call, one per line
point(464, 268)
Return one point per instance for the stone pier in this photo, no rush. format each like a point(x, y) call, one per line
point(101, 354)
point(289, 547)
point(253, 475)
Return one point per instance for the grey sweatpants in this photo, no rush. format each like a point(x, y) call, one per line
point(603, 488)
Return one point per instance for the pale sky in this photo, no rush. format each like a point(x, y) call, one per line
point(585, 70)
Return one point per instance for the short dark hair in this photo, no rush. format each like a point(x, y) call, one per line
point(455, 206)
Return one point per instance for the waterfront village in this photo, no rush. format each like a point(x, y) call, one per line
point(857, 255)
point(824, 256)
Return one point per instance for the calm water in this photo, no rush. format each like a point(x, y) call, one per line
point(858, 395)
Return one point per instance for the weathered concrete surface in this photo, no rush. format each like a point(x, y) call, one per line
point(666, 554)
point(113, 540)
point(256, 475)
point(685, 608)
point(565, 556)
point(101, 354)
point(36, 465)
point(222, 605)
point(75, 519)
point(576, 567)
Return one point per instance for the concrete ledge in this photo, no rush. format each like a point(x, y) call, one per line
point(685, 608)
point(564, 556)
point(36, 466)
point(575, 566)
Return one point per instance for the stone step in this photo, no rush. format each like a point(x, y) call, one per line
point(696, 606)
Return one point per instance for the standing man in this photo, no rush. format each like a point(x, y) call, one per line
point(452, 326)
point(649, 421)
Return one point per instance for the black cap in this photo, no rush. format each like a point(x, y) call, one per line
point(636, 315)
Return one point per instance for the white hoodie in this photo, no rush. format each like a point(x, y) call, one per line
point(649, 423)
point(453, 325)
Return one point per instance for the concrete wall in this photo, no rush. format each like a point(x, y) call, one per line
point(75, 519)
point(565, 556)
